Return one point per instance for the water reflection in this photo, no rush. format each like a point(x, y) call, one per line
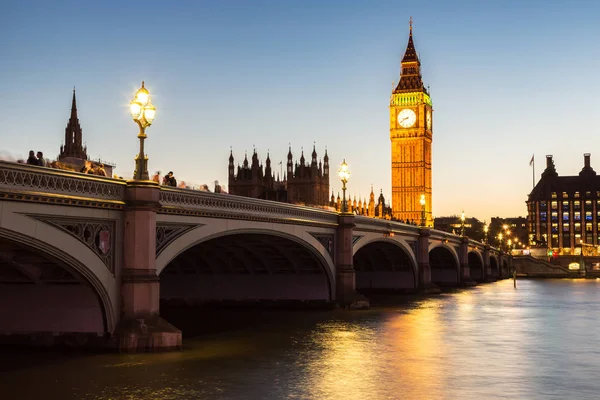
point(538, 341)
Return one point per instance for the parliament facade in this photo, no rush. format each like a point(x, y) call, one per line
point(564, 211)
point(302, 183)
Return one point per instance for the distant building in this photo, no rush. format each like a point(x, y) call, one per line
point(452, 224)
point(379, 210)
point(517, 227)
point(564, 211)
point(73, 153)
point(302, 183)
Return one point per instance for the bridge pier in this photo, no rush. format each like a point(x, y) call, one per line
point(463, 258)
point(345, 276)
point(424, 268)
point(140, 327)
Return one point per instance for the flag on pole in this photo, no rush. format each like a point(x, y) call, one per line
point(531, 162)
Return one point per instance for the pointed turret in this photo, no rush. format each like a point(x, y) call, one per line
point(314, 157)
point(290, 163)
point(326, 164)
point(410, 75)
point(302, 159)
point(231, 165)
point(73, 147)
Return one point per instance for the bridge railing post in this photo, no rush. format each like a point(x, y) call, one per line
point(423, 265)
point(345, 275)
point(141, 327)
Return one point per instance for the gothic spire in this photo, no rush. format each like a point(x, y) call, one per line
point(73, 147)
point(74, 107)
point(410, 75)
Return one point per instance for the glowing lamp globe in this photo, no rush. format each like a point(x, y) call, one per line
point(149, 113)
point(343, 173)
point(136, 109)
point(142, 95)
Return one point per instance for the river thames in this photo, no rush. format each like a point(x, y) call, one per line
point(539, 341)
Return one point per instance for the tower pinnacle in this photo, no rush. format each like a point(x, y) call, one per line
point(410, 74)
point(73, 147)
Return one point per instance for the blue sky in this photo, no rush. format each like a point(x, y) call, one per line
point(507, 80)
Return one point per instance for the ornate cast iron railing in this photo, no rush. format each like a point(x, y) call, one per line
point(24, 180)
point(186, 201)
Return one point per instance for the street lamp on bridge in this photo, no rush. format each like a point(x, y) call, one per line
point(485, 232)
point(422, 201)
point(462, 223)
point(143, 113)
point(344, 176)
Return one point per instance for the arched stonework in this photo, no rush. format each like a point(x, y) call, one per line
point(46, 276)
point(385, 264)
point(17, 223)
point(302, 236)
point(476, 267)
point(495, 270)
point(444, 263)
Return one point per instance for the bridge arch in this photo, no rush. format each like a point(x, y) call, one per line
point(495, 271)
point(504, 272)
point(383, 263)
point(55, 291)
point(444, 264)
point(244, 263)
point(476, 267)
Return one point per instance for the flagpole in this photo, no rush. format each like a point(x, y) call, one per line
point(533, 178)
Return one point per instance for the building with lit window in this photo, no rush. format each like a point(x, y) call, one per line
point(564, 211)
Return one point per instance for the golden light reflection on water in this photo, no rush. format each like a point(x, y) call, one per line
point(493, 341)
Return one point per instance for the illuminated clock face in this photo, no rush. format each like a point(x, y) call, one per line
point(428, 119)
point(407, 118)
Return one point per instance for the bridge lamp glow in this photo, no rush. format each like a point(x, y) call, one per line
point(422, 201)
point(486, 228)
point(344, 175)
point(462, 223)
point(143, 113)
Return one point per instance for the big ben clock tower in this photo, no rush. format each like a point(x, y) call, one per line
point(411, 136)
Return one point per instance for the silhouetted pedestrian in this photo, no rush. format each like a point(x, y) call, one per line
point(32, 160)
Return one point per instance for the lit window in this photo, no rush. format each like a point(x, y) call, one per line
point(577, 216)
point(565, 195)
point(553, 195)
point(554, 205)
point(576, 195)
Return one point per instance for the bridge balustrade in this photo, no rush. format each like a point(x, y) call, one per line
point(178, 201)
point(33, 183)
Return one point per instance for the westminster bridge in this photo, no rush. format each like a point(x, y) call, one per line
point(89, 258)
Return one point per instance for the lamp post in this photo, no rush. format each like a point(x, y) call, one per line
point(422, 201)
point(485, 232)
point(462, 223)
point(344, 175)
point(500, 240)
point(143, 113)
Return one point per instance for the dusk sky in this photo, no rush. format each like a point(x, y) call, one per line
point(507, 81)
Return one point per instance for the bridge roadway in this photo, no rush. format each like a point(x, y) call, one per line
point(87, 259)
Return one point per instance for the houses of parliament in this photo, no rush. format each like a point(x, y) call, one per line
point(411, 128)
